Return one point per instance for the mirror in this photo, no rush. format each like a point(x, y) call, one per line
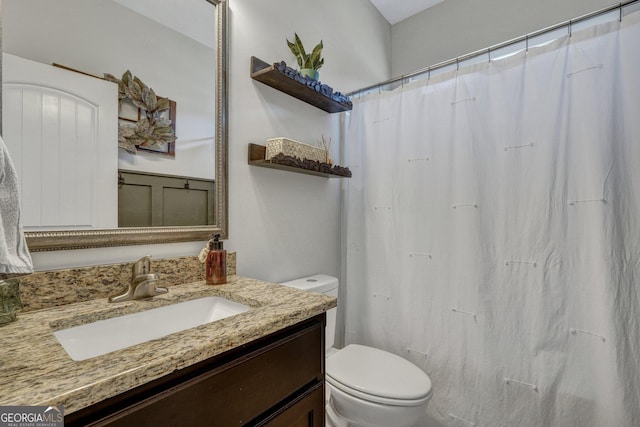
point(57, 238)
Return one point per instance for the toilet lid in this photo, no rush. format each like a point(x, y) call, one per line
point(375, 372)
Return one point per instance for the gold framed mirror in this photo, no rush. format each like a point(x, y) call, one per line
point(61, 239)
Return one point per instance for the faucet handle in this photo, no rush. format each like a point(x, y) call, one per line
point(142, 266)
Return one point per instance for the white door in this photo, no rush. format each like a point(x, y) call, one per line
point(61, 129)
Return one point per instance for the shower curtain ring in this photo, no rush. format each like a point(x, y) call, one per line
point(620, 8)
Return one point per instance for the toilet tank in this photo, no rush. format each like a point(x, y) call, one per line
point(323, 284)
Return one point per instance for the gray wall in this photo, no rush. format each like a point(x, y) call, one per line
point(456, 27)
point(283, 225)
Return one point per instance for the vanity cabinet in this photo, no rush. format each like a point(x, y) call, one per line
point(274, 381)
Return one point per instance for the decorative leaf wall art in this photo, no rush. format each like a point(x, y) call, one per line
point(146, 121)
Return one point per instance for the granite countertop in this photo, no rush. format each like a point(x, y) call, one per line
point(36, 370)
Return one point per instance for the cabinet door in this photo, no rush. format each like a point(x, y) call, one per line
point(306, 411)
point(236, 393)
point(146, 200)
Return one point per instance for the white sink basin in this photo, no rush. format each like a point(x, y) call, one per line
point(104, 336)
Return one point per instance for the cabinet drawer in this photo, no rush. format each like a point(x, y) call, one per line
point(237, 392)
point(306, 411)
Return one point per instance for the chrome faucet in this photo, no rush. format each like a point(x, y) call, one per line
point(143, 283)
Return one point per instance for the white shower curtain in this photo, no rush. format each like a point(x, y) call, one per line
point(493, 233)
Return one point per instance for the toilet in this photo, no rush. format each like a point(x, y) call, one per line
point(367, 387)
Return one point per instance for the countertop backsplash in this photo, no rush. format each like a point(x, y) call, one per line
point(48, 289)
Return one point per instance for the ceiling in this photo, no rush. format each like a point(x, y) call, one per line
point(192, 18)
point(397, 10)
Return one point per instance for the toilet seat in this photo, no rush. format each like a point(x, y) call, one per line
point(377, 376)
point(377, 399)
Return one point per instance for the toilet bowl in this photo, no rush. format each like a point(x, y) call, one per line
point(366, 386)
point(374, 388)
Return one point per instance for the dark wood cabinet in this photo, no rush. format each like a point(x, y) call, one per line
point(306, 411)
point(275, 381)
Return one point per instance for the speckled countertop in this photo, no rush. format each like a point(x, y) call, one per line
point(36, 370)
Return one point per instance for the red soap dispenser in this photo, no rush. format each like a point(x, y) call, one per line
point(216, 263)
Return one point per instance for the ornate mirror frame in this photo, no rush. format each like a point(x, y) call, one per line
point(61, 240)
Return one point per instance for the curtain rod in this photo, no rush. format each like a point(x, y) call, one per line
point(488, 50)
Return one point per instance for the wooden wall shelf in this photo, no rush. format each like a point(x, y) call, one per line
point(257, 155)
point(269, 75)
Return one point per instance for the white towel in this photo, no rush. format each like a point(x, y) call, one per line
point(14, 253)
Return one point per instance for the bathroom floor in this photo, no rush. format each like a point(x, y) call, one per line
point(427, 421)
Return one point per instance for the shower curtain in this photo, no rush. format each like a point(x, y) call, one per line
point(493, 233)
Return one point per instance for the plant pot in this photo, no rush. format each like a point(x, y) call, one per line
point(310, 73)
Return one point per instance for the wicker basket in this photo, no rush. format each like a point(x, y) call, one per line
point(289, 147)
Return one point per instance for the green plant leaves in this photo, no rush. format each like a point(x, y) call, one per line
point(298, 50)
point(316, 60)
point(299, 45)
point(313, 60)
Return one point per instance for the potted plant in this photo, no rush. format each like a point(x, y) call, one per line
point(309, 63)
